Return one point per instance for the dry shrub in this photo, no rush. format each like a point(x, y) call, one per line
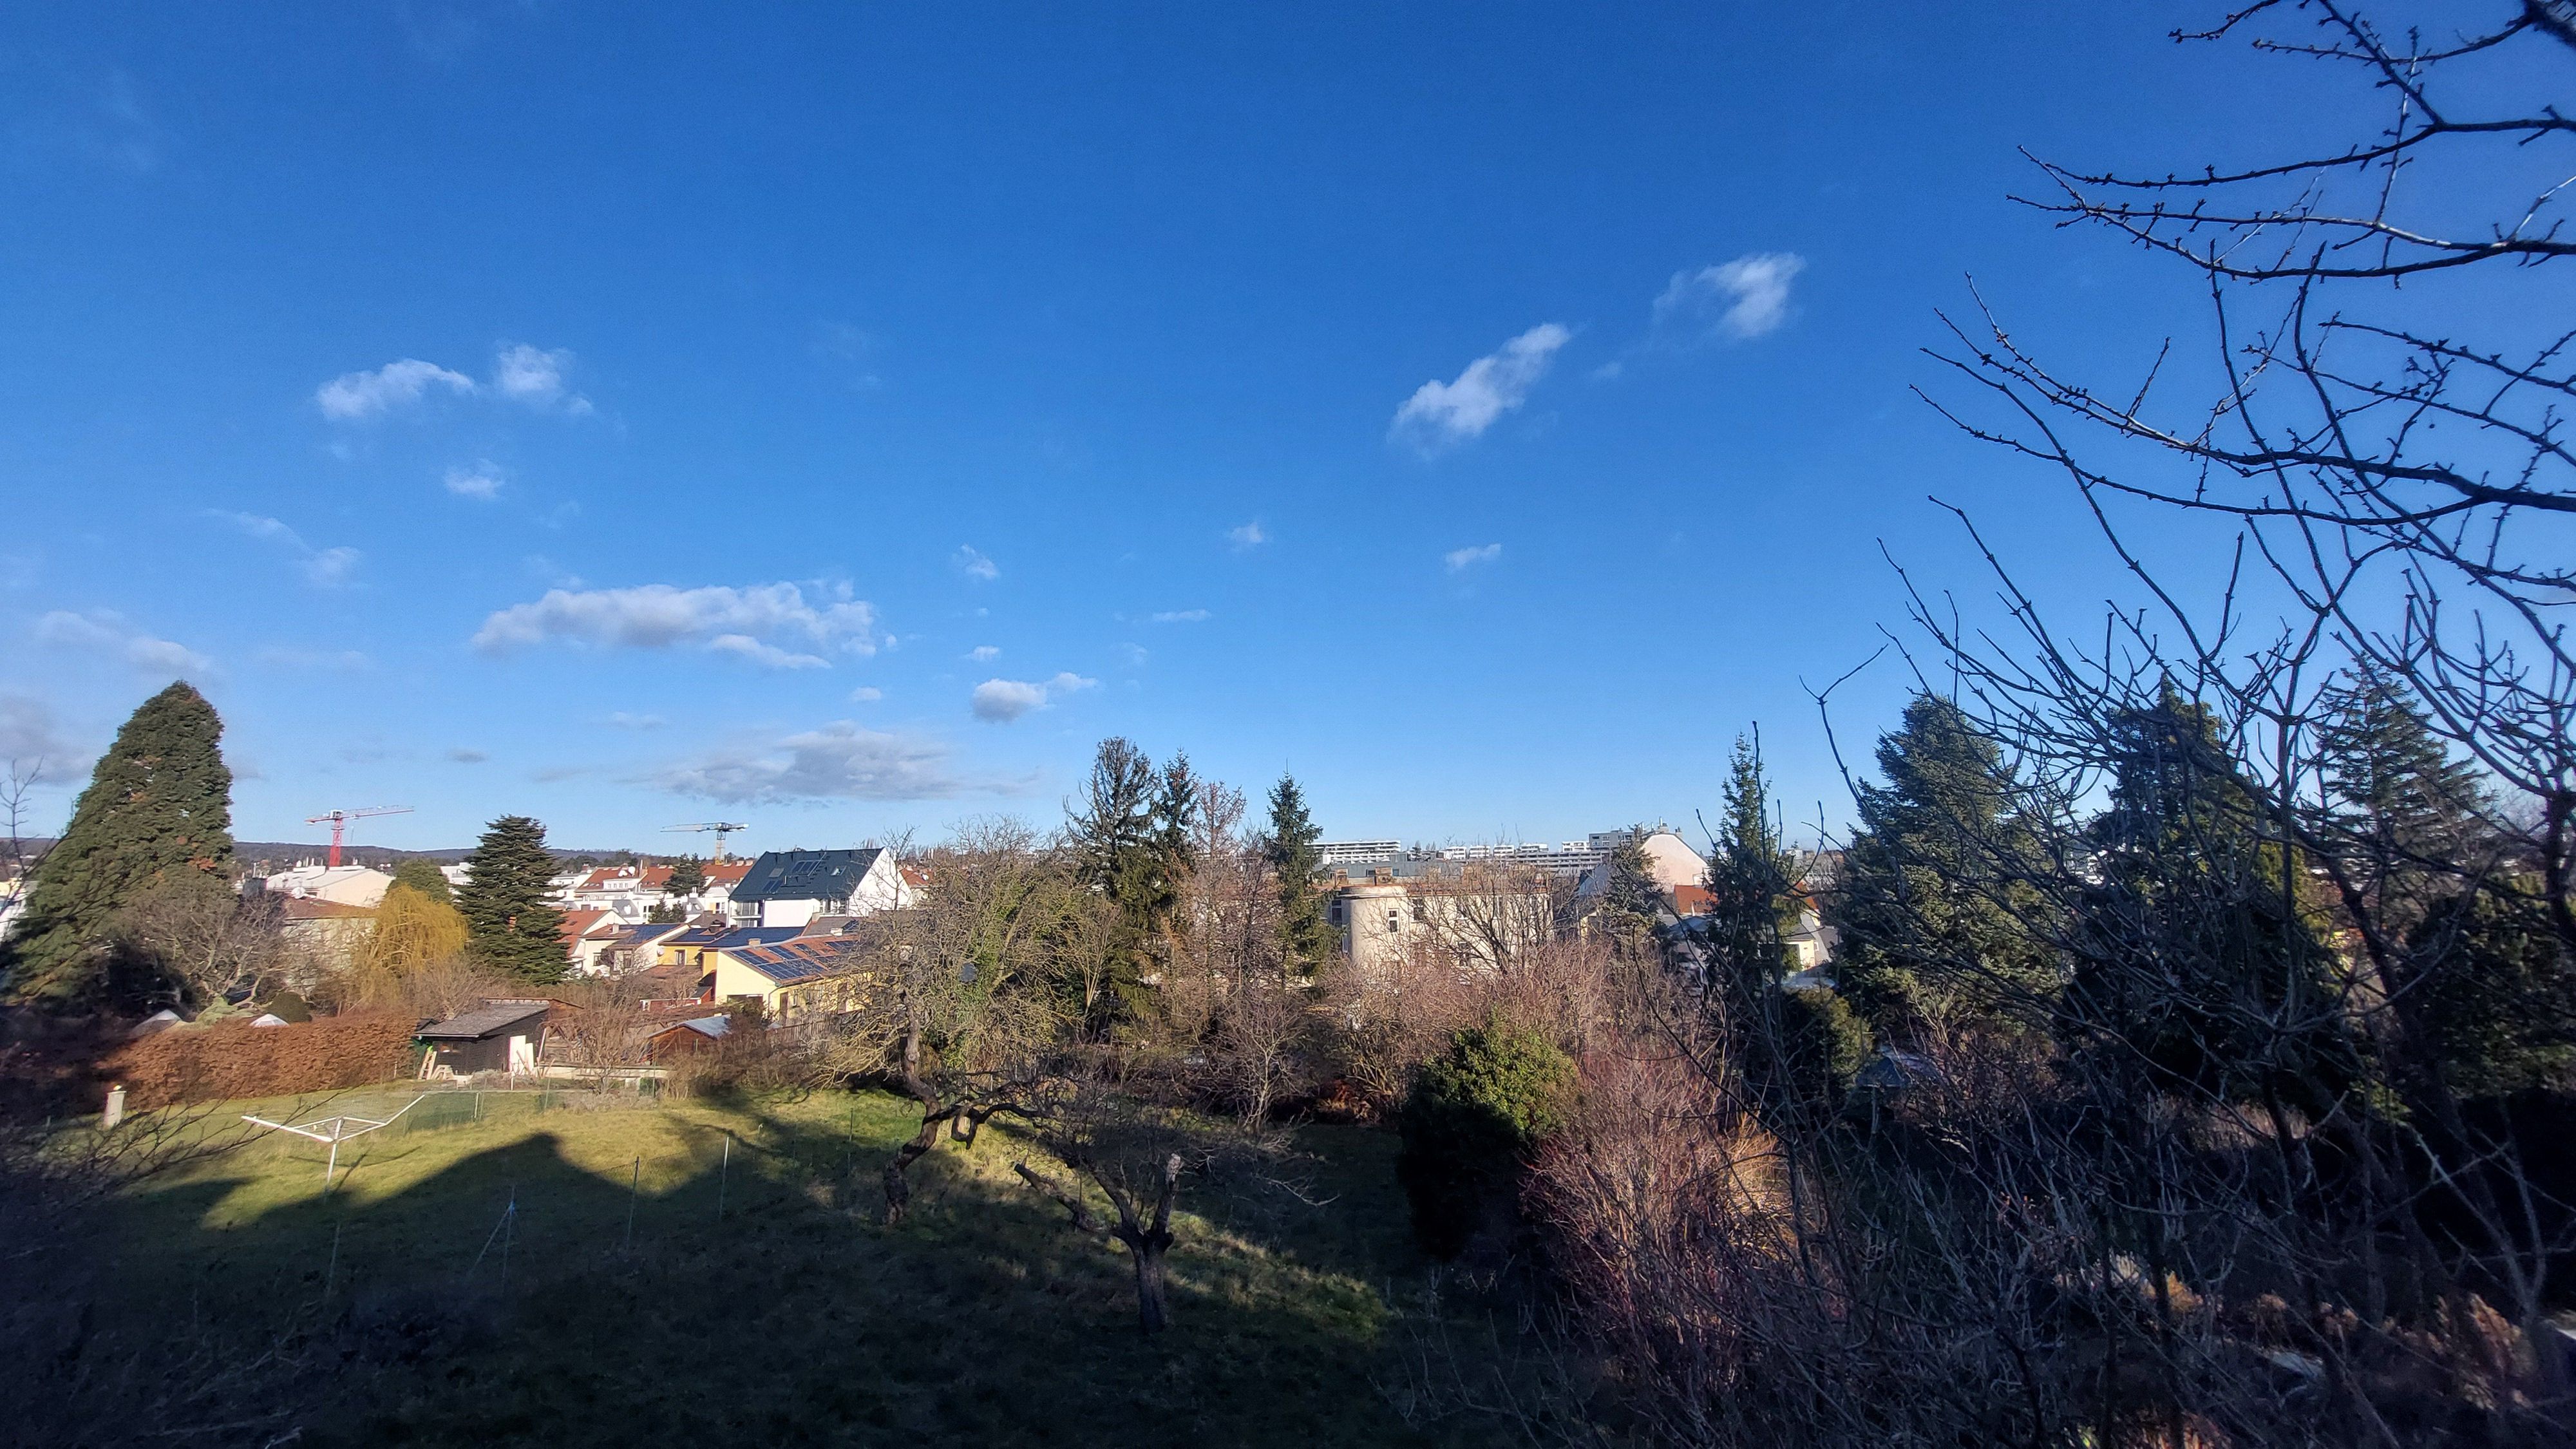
point(1577, 991)
point(750, 1057)
point(229, 1060)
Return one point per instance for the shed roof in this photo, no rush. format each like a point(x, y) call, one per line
point(489, 1019)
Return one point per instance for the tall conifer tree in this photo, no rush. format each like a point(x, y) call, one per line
point(157, 813)
point(1931, 903)
point(1290, 848)
point(510, 921)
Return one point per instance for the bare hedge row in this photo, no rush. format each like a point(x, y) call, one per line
point(235, 1059)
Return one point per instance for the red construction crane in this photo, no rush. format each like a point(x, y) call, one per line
point(340, 823)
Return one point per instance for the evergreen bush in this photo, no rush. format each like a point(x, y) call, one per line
point(1470, 1122)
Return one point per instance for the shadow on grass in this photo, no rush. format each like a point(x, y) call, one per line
point(487, 1289)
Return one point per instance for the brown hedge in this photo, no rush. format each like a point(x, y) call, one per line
point(234, 1059)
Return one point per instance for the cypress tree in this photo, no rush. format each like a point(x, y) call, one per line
point(508, 919)
point(1290, 848)
point(157, 812)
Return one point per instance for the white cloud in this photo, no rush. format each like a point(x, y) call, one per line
point(840, 761)
point(982, 652)
point(104, 632)
point(975, 566)
point(331, 567)
point(535, 376)
point(327, 568)
point(1442, 413)
point(765, 654)
point(621, 719)
point(281, 656)
point(29, 736)
point(1178, 616)
point(354, 395)
point(866, 694)
point(1467, 558)
point(1250, 535)
point(746, 621)
point(1744, 298)
point(1000, 701)
point(481, 481)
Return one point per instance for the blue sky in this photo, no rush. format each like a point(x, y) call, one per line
point(839, 418)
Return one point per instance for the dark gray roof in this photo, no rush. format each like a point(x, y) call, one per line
point(485, 1020)
point(805, 875)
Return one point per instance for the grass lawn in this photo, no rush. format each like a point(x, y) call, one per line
point(751, 1308)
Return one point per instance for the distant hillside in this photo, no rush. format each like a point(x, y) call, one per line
point(279, 854)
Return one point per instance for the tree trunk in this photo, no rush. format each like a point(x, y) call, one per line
point(1153, 1302)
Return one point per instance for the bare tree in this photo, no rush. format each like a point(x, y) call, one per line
point(209, 943)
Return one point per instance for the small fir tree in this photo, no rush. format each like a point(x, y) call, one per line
point(425, 877)
point(158, 811)
point(1289, 848)
point(504, 903)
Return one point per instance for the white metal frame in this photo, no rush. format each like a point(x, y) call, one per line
point(335, 1130)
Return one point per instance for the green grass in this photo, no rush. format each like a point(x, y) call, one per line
point(790, 1320)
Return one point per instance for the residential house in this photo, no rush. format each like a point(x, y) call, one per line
point(630, 949)
point(349, 885)
point(326, 928)
point(800, 978)
point(586, 932)
point(1475, 914)
point(792, 887)
point(699, 948)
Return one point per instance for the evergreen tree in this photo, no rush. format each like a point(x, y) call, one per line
point(686, 879)
point(2200, 950)
point(504, 903)
point(1131, 845)
point(2408, 821)
point(1931, 903)
point(2491, 993)
point(1289, 847)
point(1630, 899)
point(157, 812)
point(425, 877)
point(1749, 879)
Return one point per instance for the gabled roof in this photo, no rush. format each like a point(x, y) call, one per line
point(806, 958)
point(485, 1020)
point(578, 922)
point(805, 875)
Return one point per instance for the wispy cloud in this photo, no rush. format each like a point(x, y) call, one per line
point(1000, 701)
point(356, 395)
point(749, 622)
point(1178, 616)
point(103, 631)
point(535, 376)
point(866, 694)
point(621, 719)
point(1443, 413)
point(30, 736)
point(840, 761)
point(1743, 299)
point(482, 481)
point(975, 566)
point(285, 656)
point(1461, 559)
point(982, 652)
point(324, 567)
point(1249, 535)
point(467, 757)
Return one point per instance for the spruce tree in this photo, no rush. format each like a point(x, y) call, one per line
point(2408, 821)
point(157, 813)
point(1131, 843)
point(511, 924)
point(1750, 877)
point(1933, 902)
point(1297, 867)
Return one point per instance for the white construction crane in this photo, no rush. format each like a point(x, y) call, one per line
point(722, 828)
